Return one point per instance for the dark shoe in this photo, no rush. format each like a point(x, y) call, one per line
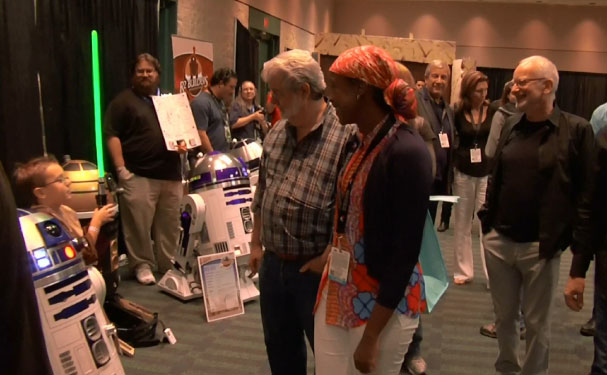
point(416, 366)
point(587, 329)
point(442, 227)
point(489, 330)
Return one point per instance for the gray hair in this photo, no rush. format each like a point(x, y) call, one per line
point(545, 67)
point(439, 64)
point(300, 68)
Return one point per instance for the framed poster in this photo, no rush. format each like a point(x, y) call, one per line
point(220, 286)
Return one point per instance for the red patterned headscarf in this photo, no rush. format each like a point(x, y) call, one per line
point(375, 67)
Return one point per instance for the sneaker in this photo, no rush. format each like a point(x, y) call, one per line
point(416, 366)
point(144, 274)
point(587, 329)
point(489, 330)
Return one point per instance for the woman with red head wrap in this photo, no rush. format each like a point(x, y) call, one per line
point(367, 313)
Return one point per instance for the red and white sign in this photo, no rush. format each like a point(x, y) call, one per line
point(192, 65)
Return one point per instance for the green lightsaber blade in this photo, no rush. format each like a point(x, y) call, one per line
point(97, 102)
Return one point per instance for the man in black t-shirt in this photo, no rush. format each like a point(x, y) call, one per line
point(148, 172)
point(538, 204)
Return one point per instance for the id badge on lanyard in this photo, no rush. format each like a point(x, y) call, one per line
point(475, 155)
point(444, 140)
point(339, 265)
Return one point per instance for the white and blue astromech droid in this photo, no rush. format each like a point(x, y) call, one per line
point(79, 339)
point(216, 217)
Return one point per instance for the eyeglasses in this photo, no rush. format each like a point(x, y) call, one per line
point(62, 179)
point(525, 82)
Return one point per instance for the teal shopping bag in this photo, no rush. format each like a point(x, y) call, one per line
point(433, 266)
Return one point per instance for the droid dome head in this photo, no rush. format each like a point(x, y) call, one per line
point(216, 169)
point(248, 151)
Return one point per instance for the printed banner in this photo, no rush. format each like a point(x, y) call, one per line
point(192, 65)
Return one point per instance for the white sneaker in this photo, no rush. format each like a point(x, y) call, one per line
point(416, 366)
point(144, 274)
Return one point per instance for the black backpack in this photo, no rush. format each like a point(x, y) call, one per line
point(135, 324)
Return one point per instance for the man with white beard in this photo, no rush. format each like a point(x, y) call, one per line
point(293, 206)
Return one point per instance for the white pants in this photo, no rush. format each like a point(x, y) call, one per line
point(334, 346)
point(471, 191)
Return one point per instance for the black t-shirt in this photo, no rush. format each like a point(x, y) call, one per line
point(470, 137)
point(522, 186)
point(133, 120)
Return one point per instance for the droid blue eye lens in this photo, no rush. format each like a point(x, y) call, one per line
point(39, 254)
point(43, 263)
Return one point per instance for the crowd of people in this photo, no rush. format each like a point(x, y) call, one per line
point(349, 162)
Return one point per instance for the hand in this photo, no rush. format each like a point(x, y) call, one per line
point(124, 174)
point(182, 148)
point(574, 293)
point(103, 215)
point(365, 356)
point(259, 116)
point(316, 265)
point(255, 259)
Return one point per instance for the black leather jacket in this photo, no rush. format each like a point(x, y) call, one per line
point(566, 155)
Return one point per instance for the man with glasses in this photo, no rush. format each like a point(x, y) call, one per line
point(537, 205)
point(149, 173)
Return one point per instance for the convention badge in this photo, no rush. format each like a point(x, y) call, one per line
point(444, 140)
point(338, 268)
point(475, 155)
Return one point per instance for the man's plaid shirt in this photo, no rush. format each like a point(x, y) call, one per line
point(295, 196)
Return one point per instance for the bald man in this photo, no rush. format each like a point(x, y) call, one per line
point(537, 205)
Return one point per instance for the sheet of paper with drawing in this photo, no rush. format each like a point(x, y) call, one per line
point(176, 120)
point(221, 286)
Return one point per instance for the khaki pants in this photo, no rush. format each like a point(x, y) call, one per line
point(149, 210)
point(517, 274)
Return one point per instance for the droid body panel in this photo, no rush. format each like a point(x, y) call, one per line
point(78, 337)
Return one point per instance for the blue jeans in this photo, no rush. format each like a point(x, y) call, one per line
point(599, 365)
point(287, 299)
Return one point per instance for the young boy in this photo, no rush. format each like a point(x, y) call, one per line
point(40, 184)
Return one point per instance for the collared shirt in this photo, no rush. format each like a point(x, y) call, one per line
point(565, 157)
point(295, 195)
point(599, 118)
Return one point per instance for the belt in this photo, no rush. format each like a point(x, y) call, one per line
point(292, 257)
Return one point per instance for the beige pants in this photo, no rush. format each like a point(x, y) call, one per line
point(149, 210)
point(334, 346)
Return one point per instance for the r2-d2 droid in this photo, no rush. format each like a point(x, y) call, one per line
point(215, 218)
point(79, 340)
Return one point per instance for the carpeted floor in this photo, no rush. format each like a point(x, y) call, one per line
point(452, 344)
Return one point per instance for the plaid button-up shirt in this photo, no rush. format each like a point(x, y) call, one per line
point(295, 196)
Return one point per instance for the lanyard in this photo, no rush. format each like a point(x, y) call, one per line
point(477, 126)
point(352, 170)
